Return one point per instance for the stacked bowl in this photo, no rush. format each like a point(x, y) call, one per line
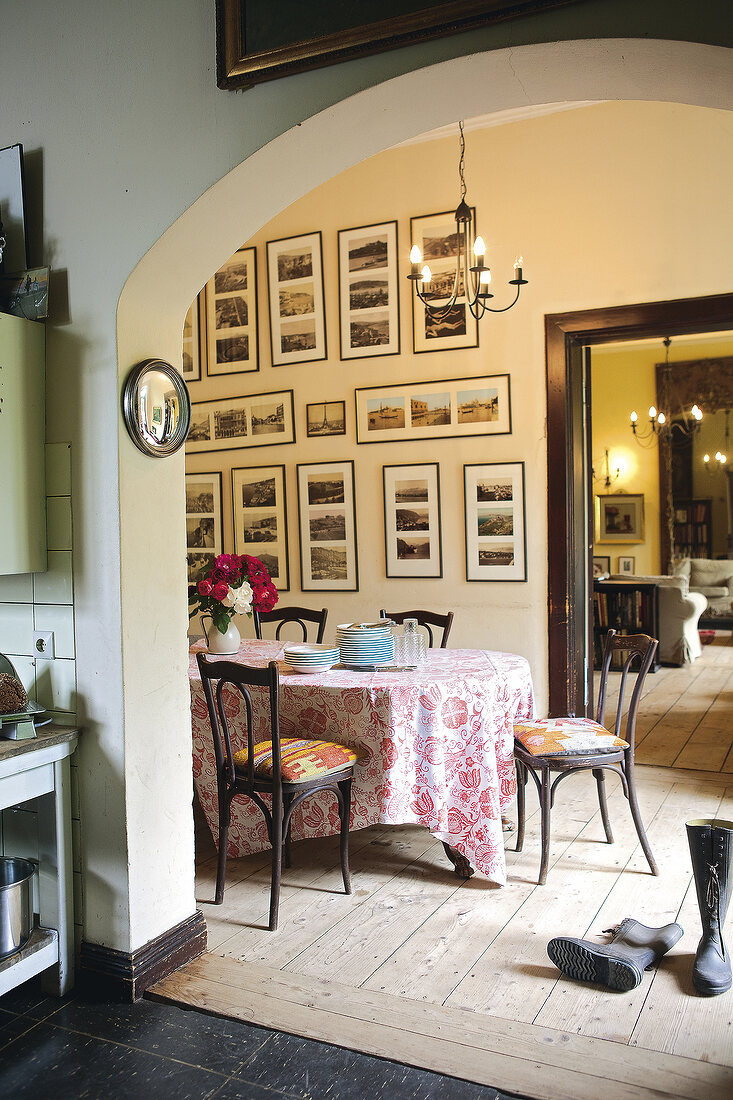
point(311, 658)
point(365, 645)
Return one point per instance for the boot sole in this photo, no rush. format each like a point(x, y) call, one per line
point(706, 989)
point(581, 961)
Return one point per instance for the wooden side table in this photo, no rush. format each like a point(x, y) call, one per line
point(39, 768)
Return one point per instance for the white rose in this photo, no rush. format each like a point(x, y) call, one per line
point(239, 599)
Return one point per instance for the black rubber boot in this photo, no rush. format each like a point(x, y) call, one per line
point(711, 851)
point(620, 964)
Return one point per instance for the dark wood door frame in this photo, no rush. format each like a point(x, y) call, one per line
point(569, 537)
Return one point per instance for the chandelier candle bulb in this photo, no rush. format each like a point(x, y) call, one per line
point(662, 419)
point(427, 275)
point(479, 248)
point(415, 261)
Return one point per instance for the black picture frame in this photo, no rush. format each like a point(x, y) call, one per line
point(237, 66)
point(209, 513)
point(260, 513)
point(297, 299)
point(323, 504)
point(495, 521)
point(231, 310)
point(413, 538)
point(369, 296)
point(205, 436)
point(436, 409)
point(333, 422)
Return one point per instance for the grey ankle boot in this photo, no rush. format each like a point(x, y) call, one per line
point(620, 964)
point(711, 851)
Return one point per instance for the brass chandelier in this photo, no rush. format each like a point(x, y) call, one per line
point(470, 283)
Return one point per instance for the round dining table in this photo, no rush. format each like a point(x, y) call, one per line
point(435, 746)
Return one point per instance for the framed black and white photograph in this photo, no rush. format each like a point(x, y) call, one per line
point(261, 519)
point(326, 418)
point(369, 315)
point(434, 410)
point(327, 518)
point(412, 534)
point(437, 238)
point(297, 310)
point(203, 521)
point(258, 420)
point(627, 565)
point(232, 344)
point(496, 539)
point(191, 356)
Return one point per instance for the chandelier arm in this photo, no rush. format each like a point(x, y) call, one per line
point(489, 309)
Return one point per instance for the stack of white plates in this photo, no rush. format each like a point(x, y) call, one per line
point(311, 658)
point(363, 645)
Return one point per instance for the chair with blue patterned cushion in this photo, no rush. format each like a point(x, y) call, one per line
point(288, 769)
point(568, 745)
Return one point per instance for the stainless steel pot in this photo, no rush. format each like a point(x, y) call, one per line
point(16, 903)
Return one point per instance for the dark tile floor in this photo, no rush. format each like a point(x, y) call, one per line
point(79, 1048)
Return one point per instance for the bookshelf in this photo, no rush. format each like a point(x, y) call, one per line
point(693, 529)
point(630, 607)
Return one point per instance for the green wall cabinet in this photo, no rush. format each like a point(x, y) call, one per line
point(22, 445)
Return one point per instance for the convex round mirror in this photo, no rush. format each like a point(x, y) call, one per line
point(156, 408)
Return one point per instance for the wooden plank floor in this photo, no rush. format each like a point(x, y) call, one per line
point(421, 967)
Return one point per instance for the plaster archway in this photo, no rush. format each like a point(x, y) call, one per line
point(149, 322)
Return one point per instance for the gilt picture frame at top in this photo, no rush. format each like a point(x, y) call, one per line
point(436, 237)
point(496, 534)
point(259, 508)
point(619, 518)
point(232, 336)
point(327, 523)
point(369, 314)
point(204, 539)
point(297, 301)
point(434, 410)
point(412, 534)
point(191, 353)
point(255, 420)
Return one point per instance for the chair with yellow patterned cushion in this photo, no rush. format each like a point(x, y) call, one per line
point(568, 745)
point(288, 769)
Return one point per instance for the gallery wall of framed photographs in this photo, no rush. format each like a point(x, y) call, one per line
point(311, 370)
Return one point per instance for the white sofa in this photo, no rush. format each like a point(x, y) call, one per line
point(713, 579)
point(679, 611)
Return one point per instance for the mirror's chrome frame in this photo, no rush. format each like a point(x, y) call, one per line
point(130, 407)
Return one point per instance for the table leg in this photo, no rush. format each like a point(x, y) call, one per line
point(56, 876)
point(460, 864)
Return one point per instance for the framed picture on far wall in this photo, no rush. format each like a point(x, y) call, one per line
point(437, 238)
point(327, 516)
point(231, 316)
point(326, 418)
point(601, 565)
point(369, 315)
point(619, 518)
point(496, 538)
point(191, 362)
point(412, 535)
point(627, 565)
point(261, 519)
point(203, 521)
point(233, 422)
point(434, 410)
point(297, 310)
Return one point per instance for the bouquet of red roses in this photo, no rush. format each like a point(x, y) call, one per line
point(233, 585)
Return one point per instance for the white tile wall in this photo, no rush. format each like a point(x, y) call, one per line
point(45, 601)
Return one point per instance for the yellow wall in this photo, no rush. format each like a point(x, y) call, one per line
point(623, 378)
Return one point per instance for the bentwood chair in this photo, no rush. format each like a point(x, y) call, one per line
point(288, 769)
point(284, 615)
point(427, 619)
point(568, 745)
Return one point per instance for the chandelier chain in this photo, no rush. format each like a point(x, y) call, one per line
point(461, 161)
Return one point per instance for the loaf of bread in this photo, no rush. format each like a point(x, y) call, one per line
point(12, 694)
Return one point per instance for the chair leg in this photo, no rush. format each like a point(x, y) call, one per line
point(521, 800)
point(545, 805)
point(636, 814)
point(277, 863)
point(601, 782)
point(345, 813)
point(286, 807)
point(221, 863)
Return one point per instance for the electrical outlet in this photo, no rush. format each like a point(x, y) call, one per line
point(43, 644)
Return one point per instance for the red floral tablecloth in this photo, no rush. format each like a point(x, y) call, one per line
point(436, 746)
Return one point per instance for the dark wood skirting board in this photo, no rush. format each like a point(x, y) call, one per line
point(124, 976)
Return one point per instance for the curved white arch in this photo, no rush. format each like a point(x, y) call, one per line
point(149, 321)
